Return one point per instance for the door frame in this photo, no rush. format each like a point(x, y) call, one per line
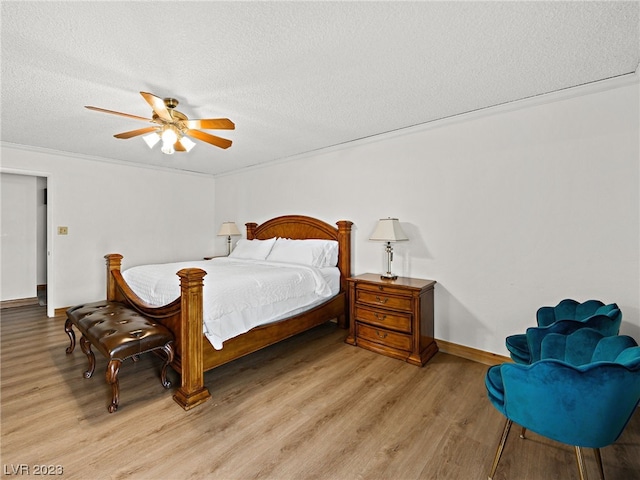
point(51, 311)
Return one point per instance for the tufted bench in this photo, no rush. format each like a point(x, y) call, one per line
point(118, 332)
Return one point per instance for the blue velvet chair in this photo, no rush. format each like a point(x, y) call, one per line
point(590, 314)
point(569, 309)
point(582, 391)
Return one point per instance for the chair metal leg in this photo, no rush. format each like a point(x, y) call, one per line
point(522, 432)
point(503, 440)
point(596, 452)
point(581, 466)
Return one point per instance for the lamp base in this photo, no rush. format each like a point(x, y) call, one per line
point(388, 276)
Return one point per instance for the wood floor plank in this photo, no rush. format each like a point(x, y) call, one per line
point(311, 407)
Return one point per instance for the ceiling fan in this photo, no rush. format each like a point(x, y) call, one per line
point(173, 127)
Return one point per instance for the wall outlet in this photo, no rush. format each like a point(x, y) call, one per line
point(63, 230)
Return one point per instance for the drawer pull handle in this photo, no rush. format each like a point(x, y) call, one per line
point(381, 335)
point(382, 300)
point(378, 317)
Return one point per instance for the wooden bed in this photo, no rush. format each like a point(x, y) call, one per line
point(184, 316)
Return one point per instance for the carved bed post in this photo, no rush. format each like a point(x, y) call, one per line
point(192, 391)
point(344, 244)
point(344, 249)
point(251, 230)
point(114, 262)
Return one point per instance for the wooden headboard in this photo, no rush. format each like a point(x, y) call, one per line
point(300, 227)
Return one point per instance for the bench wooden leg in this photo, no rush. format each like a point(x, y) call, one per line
point(168, 350)
point(86, 348)
point(68, 327)
point(112, 378)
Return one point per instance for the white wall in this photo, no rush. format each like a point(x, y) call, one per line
point(18, 247)
point(510, 209)
point(146, 215)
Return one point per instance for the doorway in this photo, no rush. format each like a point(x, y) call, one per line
point(24, 253)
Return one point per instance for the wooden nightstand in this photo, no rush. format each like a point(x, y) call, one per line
point(392, 317)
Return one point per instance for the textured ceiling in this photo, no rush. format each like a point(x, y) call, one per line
point(294, 76)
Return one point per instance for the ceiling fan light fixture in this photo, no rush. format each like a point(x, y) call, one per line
point(171, 126)
point(187, 143)
point(151, 139)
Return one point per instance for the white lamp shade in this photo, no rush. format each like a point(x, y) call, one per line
point(169, 150)
point(187, 143)
point(151, 139)
point(229, 228)
point(388, 230)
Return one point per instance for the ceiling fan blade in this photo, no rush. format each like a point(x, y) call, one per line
point(178, 147)
point(211, 124)
point(135, 117)
point(158, 106)
point(135, 133)
point(212, 139)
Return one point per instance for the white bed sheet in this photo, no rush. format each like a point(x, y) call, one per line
point(239, 294)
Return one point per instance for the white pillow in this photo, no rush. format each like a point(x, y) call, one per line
point(253, 249)
point(331, 249)
point(315, 253)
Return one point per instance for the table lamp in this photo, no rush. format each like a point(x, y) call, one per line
point(388, 230)
point(228, 229)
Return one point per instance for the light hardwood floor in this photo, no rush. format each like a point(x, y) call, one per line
point(311, 407)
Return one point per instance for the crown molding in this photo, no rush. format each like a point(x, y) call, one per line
point(535, 100)
point(60, 153)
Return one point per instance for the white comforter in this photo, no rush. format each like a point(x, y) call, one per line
point(238, 294)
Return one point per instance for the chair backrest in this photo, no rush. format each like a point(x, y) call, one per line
point(583, 346)
point(586, 405)
point(630, 357)
point(606, 324)
point(569, 309)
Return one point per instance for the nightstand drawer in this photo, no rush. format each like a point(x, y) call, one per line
point(383, 318)
point(381, 298)
point(386, 337)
